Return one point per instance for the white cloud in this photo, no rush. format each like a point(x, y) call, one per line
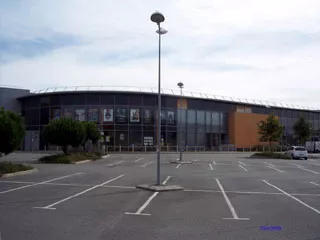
point(253, 49)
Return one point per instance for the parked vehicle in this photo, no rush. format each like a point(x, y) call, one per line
point(296, 152)
point(313, 146)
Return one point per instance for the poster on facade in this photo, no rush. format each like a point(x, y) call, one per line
point(121, 115)
point(55, 113)
point(163, 117)
point(93, 114)
point(170, 117)
point(68, 113)
point(108, 115)
point(80, 114)
point(147, 116)
point(135, 115)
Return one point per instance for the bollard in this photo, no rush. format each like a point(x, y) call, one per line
point(145, 148)
point(119, 148)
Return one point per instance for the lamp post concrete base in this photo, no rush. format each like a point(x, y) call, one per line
point(160, 188)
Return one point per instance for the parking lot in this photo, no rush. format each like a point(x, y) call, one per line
point(225, 196)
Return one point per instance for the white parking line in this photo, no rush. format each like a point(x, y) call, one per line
point(114, 164)
point(232, 210)
point(210, 165)
point(315, 184)
point(166, 180)
point(302, 168)
point(251, 193)
point(137, 160)
point(140, 210)
point(242, 163)
point(40, 183)
point(178, 165)
point(214, 162)
point(269, 164)
point(243, 168)
point(294, 198)
point(144, 165)
point(274, 168)
point(78, 194)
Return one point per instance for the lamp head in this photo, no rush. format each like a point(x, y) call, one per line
point(180, 84)
point(157, 17)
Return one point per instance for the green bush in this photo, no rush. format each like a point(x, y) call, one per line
point(70, 158)
point(8, 167)
point(270, 155)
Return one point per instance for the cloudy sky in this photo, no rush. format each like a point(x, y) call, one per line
point(257, 49)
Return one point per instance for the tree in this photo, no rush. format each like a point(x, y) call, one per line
point(302, 130)
point(64, 132)
point(12, 131)
point(92, 133)
point(270, 130)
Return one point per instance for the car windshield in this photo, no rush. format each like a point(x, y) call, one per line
point(300, 149)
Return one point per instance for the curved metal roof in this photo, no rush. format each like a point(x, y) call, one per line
point(174, 92)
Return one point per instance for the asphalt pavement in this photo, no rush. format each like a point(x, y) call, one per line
point(225, 196)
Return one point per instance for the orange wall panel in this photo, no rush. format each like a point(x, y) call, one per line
point(243, 130)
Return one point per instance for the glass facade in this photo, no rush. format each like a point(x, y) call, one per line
point(128, 119)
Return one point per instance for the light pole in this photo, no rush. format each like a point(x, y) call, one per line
point(180, 85)
point(158, 18)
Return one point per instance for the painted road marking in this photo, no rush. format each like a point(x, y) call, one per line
point(242, 163)
point(251, 193)
point(214, 162)
point(80, 193)
point(315, 184)
point(140, 210)
point(144, 165)
point(232, 210)
point(243, 168)
point(302, 168)
point(70, 184)
point(166, 180)
point(178, 165)
point(137, 160)
point(40, 183)
point(114, 164)
point(294, 198)
point(278, 170)
point(269, 164)
point(210, 165)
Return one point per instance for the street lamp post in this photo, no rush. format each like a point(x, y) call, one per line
point(158, 18)
point(180, 85)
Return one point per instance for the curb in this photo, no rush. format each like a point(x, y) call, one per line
point(19, 173)
point(81, 162)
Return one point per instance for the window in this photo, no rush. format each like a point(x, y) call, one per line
point(136, 100)
point(149, 100)
point(93, 99)
point(208, 122)
point(201, 119)
point(121, 99)
point(215, 121)
point(107, 99)
point(191, 117)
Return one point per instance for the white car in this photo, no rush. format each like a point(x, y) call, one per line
point(296, 152)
